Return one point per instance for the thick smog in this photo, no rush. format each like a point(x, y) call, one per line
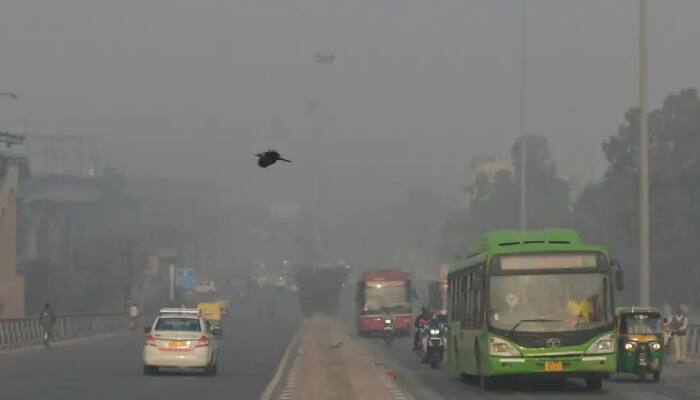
point(349, 200)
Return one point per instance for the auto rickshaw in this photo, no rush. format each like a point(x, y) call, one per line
point(211, 312)
point(224, 304)
point(640, 341)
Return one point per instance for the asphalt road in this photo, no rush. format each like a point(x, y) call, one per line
point(677, 382)
point(110, 367)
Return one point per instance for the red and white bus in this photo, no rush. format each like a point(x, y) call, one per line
point(381, 293)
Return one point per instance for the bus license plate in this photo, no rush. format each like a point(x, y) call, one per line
point(553, 366)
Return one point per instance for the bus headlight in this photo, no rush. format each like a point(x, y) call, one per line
point(602, 345)
point(630, 346)
point(655, 346)
point(499, 347)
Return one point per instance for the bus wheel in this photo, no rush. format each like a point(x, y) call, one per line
point(486, 382)
point(594, 383)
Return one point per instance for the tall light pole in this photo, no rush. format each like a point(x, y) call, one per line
point(523, 116)
point(323, 59)
point(644, 264)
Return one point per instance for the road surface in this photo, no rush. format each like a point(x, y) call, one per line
point(110, 367)
point(678, 381)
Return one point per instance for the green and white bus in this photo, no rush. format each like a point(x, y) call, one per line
point(533, 303)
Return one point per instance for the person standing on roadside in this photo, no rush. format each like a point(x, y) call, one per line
point(133, 315)
point(679, 330)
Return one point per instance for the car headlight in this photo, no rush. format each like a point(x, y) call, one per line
point(630, 346)
point(655, 346)
point(499, 347)
point(435, 331)
point(602, 345)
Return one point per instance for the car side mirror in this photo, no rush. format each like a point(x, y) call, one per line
point(216, 331)
point(619, 278)
point(147, 330)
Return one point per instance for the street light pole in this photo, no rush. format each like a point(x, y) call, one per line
point(644, 264)
point(523, 116)
point(323, 59)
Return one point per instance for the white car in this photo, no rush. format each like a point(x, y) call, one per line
point(180, 338)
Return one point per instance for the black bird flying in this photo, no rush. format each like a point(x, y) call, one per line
point(269, 157)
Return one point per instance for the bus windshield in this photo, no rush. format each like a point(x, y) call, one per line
point(549, 303)
point(386, 299)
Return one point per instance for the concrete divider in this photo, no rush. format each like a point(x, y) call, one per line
point(17, 333)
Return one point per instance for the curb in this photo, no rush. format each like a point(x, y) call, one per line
point(270, 389)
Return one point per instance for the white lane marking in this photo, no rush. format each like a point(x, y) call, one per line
point(267, 394)
point(289, 392)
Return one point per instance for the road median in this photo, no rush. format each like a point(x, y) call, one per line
point(330, 364)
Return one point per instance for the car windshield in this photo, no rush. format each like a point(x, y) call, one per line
point(640, 324)
point(387, 299)
point(178, 324)
point(550, 302)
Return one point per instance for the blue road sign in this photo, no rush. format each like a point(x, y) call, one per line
point(184, 278)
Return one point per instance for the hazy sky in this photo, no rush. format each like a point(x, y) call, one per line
point(195, 88)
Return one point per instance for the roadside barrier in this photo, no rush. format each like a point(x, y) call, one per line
point(16, 333)
point(694, 339)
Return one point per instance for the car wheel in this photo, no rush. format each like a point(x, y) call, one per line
point(210, 370)
point(150, 370)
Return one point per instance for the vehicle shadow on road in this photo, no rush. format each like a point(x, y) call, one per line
point(544, 387)
point(175, 372)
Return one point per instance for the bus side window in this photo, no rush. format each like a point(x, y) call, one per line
point(455, 298)
point(470, 300)
point(450, 297)
point(478, 298)
point(464, 283)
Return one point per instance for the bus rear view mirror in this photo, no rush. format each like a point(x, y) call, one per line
point(619, 279)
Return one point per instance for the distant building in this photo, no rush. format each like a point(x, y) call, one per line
point(490, 165)
point(13, 167)
point(485, 165)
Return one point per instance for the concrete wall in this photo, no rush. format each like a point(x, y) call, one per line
point(11, 284)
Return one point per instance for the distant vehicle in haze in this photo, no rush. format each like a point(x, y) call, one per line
point(181, 338)
point(205, 287)
point(382, 295)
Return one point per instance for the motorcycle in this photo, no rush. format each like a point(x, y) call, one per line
point(388, 334)
point(434, 343)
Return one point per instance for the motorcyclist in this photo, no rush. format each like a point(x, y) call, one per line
point(421, 320)
point(441, 318)
point(47, 319)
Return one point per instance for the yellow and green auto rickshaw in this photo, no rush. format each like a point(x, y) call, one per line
point(640, 341)
point(224, 304)
point(211, 312)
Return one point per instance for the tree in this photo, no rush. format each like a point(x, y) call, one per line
point(608, 210)
point(494, 198)
point(547, 194)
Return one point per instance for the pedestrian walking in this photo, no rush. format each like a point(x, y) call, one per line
point(679, 332)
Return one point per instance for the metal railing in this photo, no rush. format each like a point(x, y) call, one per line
point(16, 333)
point(694, 339)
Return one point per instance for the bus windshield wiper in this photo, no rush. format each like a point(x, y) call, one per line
point(530, 320)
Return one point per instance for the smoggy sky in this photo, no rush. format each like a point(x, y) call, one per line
point(418, 88)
